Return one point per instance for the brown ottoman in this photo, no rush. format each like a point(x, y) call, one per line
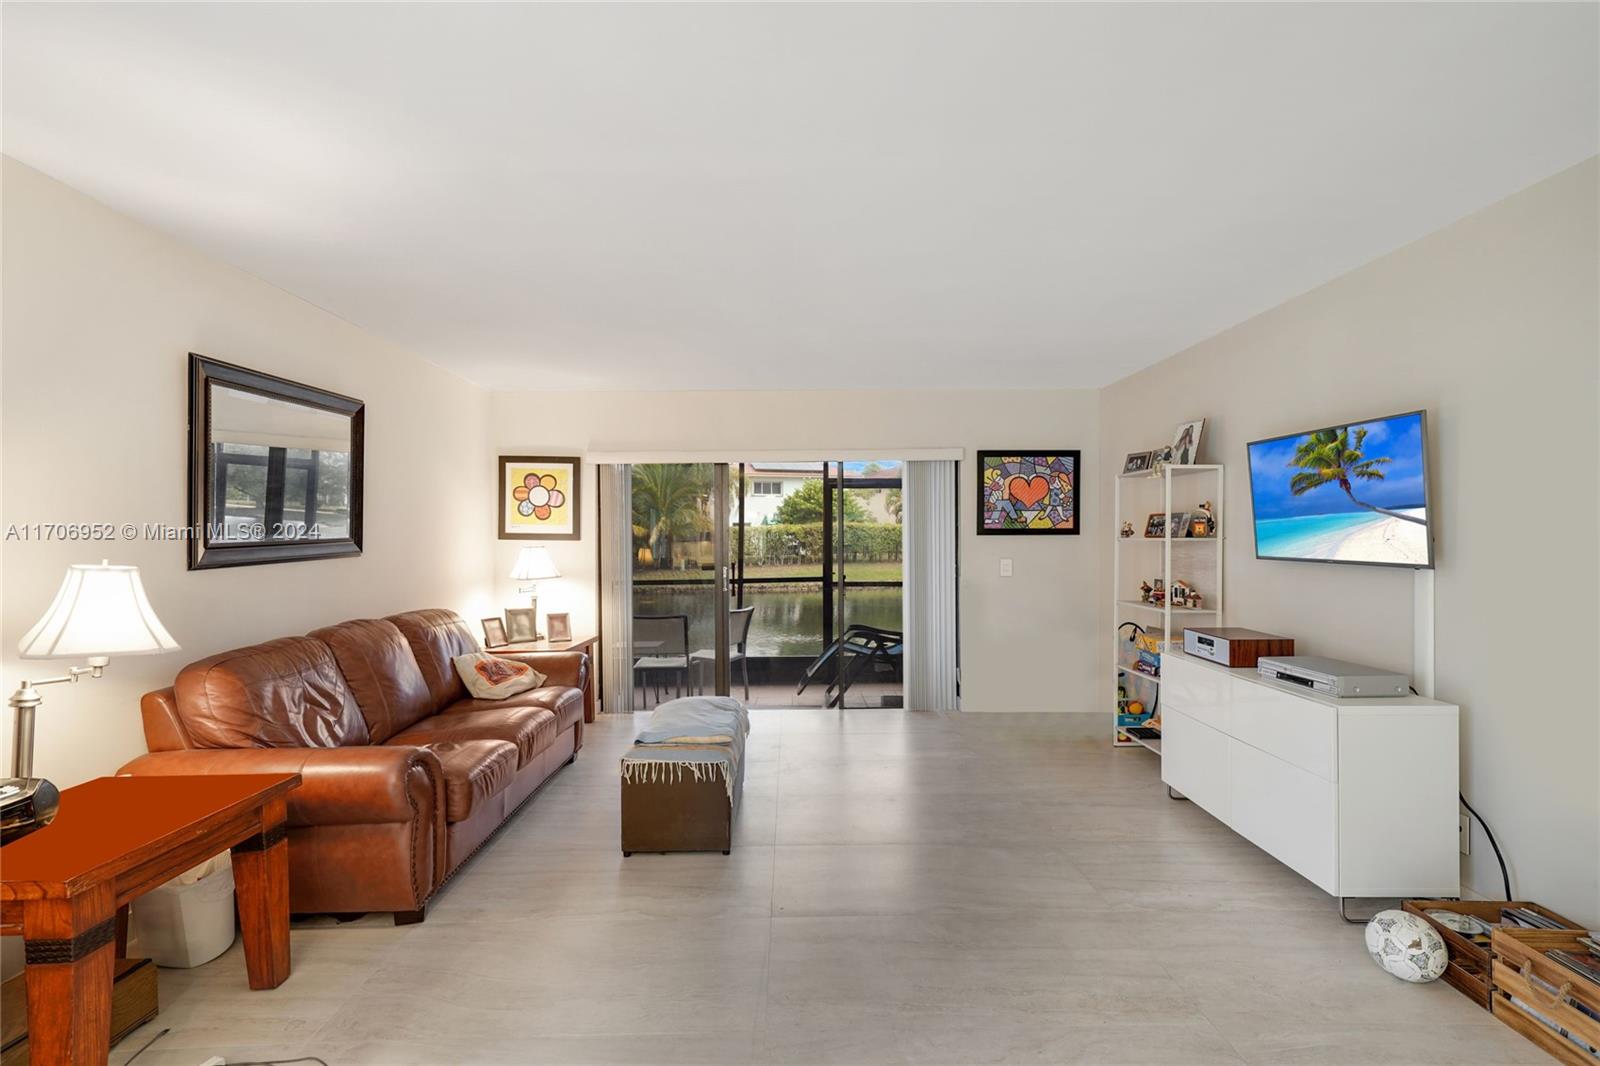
point(683, 796)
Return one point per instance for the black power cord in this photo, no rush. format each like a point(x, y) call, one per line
point(1505, 877)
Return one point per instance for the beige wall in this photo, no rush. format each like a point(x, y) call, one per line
point(1491, 325)
point(1028, 642)
point(99, 315)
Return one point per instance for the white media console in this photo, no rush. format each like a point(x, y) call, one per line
point(1359, 796)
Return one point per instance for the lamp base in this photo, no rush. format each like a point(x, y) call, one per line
point(26, 804)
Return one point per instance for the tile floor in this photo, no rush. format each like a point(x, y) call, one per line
point(905, 887)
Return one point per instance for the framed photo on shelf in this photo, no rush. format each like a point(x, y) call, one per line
point(521, 624)
point(1160, 458)
point(559, 626)
point(1137, 463)
point(1178, 522)
point(1186, 442)
point(494, 633)
point(1155, 526)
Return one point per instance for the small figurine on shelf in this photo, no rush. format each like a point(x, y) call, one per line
point(1194, 601)
point(1203, 513)
point(1127, 530)
point(1182, 594)
point(1146, 590)
point(1158, 595)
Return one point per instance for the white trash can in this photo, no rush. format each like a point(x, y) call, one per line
point(187, 921)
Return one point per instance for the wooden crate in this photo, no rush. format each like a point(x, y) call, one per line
point(1468, 970)
point(1523, 981)
point(133, 1002)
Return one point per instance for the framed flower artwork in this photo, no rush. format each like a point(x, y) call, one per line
point(539, 497)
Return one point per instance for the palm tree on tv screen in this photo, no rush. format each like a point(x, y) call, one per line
point(1329, 456)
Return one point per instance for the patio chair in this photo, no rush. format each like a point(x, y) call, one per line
point(738, 639)
point(665, 639)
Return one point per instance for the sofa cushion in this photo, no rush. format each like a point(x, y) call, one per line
point(474, 771)
point(286, 693)
point(565, 703)
point(436, 638)
point(383, 675)
point(531, 729)
point(489, 677)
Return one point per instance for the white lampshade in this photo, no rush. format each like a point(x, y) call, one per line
point(100, 610)
point(534, 564)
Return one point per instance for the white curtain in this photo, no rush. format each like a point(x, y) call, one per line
point(616, 587)
point(929, 517)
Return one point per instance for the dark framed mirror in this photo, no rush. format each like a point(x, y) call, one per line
point(275, 468)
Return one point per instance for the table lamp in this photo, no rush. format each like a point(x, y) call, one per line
point(99, 611)
point(534, 565)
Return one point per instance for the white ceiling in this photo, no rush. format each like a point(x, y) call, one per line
point(799, 196)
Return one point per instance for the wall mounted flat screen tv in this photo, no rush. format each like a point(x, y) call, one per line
point(1356, 493)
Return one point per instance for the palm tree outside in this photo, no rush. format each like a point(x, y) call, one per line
point(1330, 456)
point(669, 502)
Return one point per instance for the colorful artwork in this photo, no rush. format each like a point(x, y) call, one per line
point(538, 498)
point(1028, 493)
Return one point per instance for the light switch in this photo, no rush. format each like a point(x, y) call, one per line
point(1005, 567)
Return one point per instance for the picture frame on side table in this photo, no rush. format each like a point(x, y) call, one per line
point(558, 625)
point(522, 624)
point(494, 633)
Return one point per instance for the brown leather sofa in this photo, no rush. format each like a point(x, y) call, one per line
point(404, 775)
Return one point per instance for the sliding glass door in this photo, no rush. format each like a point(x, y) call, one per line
point(778, 583)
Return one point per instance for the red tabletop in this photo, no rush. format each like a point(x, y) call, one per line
point(101, 823)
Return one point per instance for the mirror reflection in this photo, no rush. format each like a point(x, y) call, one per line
point(280, 471)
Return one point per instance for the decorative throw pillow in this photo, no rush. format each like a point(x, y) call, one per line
point(489, 677)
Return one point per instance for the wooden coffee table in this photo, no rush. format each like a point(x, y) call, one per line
point(64, 888)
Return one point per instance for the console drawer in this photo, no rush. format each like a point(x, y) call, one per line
point(1194, 761)
point(1202, 692)
point(1286, 812)
point(1300, 731)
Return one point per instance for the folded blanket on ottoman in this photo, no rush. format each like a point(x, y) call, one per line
point(698, 735)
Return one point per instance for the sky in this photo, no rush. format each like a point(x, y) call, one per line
point(1399, 438)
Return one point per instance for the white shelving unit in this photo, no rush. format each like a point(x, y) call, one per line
point(1197, 561)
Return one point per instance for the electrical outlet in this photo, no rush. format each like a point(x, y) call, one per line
point(1005, 567)
point(1466, 834)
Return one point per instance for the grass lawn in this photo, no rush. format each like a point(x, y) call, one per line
point(881, 571)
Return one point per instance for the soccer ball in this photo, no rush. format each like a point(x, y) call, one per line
point(1406, 946)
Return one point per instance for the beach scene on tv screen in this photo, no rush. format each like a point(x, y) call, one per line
point(1352, 494)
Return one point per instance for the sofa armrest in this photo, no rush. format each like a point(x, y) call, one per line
point(568, 668)
point(338, 786)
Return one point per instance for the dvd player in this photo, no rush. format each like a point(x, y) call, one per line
point(1332, 677)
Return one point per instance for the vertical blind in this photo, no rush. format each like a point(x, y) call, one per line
point(616, 586)
point(929, 510)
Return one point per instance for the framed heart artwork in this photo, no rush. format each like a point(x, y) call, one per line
point(1029, 492)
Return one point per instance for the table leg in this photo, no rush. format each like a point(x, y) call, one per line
point(261, 888)
point(70, 952)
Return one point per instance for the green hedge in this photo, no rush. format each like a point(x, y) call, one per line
point(776, 544)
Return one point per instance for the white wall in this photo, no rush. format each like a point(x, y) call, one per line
point(100, 314)
point(1028, 642)
point(1491, 325)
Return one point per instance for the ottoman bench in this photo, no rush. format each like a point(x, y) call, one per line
point(683, 777)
